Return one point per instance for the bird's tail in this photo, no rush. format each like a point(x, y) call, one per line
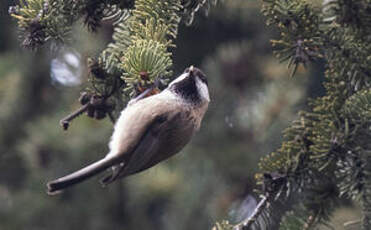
point(57, 185)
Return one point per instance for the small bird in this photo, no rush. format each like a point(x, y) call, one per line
point(149, 130)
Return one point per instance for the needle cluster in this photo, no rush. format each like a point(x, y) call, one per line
point(326, 154)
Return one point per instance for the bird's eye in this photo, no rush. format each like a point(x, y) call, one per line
point(197, 72)
point(203, 78)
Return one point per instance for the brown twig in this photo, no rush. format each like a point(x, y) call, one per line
point(92, 104)
point(95, 106)
point(65, 122)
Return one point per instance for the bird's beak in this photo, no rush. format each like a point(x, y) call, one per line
point(191, 69)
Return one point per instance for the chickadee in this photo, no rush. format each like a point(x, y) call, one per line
point(149, 130)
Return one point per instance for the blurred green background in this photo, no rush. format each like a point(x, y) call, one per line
point(253, 100)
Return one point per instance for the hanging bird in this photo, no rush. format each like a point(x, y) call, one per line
point(149, 130)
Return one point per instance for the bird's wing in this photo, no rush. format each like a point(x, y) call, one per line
point(133, 124)
point(151, 144)
point(156, 137)
point(138, 126)
point(146, 147)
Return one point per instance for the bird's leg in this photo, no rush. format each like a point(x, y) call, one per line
point(140, 96)
point(146, 92)
point(116, 171)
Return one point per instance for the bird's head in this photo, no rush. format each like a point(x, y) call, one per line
point(191, 85)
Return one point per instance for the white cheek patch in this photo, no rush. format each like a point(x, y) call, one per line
point(178, 79)
point(203, 90)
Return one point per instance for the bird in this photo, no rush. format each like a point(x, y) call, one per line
point(149, 130)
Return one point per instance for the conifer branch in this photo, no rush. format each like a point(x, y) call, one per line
point(143, 39)
point(325, 154)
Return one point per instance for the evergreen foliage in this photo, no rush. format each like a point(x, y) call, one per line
point(189, 191)
point(139, 54)
point(326, 154)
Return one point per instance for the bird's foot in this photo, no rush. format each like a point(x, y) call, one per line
point(116, 172)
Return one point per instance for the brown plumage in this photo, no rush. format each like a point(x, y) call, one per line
point(150, 130)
